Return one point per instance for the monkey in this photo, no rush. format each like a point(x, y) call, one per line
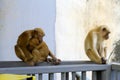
point(32, 44)
point(36, 39)
point(94, 44)
point(31, 48)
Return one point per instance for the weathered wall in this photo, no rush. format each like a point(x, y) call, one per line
point(76, 17)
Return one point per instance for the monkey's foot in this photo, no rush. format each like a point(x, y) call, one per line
point(30, 62)
point(57, 61)
point(53, 61)
point(103, 60)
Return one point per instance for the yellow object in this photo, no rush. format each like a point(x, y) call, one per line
point(14, 77)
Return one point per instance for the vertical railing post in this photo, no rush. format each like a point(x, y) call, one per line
point(83, 75)
point(73, 75)
point(94, 75)
point(63, 76)
point(106, 73)
point(51, 76)
point(102, 75)
point(40, 76)
point(99, 75)
point(114, 75)
point(67, 75)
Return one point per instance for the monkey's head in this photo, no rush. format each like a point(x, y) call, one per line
point(104, 32)
point(38, 33)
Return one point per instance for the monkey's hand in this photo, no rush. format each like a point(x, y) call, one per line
point(103, 60)
point(53, 61)
point(56, 61)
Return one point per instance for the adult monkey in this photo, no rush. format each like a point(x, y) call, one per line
point(31, 48)
point(94, 44)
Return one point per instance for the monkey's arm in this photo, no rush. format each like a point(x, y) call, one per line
point(22, 42)
point(39, 46)
point(51, 55)
point(104, 55)
point(105, 51)
point(93, 52)
point(54, 60)
point(94, 46)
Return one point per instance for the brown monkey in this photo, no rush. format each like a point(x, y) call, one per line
point(94, 44)
point(36, 39)
point(31, 48)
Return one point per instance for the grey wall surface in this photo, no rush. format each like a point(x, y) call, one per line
point(20, 15)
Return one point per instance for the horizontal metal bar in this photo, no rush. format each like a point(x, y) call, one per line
point(22, 68)
point(21, 63)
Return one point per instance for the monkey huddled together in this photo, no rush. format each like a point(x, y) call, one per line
point(31, 48)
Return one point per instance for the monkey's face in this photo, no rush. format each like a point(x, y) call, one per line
point(105, 33)
point(39, 33)
point(38, 36)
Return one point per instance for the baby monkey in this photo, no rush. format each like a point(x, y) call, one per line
point(31, 48)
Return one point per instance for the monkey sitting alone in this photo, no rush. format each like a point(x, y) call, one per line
point(31, 48)
point(94, 44)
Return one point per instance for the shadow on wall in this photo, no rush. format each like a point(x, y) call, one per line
point(115, 54)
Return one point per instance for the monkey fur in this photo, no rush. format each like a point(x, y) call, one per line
point(31, 48)
point(94, 44)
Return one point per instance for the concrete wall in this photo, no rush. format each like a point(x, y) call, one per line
point(20, 15)
point(74, 18)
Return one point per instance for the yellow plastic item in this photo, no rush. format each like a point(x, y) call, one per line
point(14, 77)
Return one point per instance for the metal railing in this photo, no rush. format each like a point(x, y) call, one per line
point(115, 71)
point(99, 71)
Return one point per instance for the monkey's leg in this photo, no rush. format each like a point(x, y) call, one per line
point(27, 54)
point(93, 56)
point(20, 53)
point(35, 53)
point(51, 54)
point(38, 56)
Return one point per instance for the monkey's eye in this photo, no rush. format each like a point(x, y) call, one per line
point(109, 32)
point(104, 29)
